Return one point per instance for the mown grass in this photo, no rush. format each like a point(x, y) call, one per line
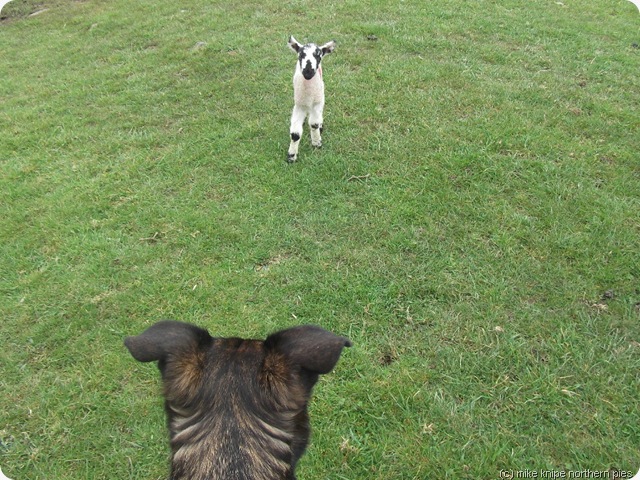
point(471, 223)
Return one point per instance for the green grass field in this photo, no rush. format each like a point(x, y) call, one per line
point(472, 224)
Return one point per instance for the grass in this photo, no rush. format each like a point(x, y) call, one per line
point(471, 223)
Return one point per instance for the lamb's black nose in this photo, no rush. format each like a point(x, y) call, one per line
point(308, 72)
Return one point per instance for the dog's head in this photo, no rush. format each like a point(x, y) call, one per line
point(310, 55)
point(237, 408)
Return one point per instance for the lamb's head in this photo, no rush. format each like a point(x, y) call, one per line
point(310, 55)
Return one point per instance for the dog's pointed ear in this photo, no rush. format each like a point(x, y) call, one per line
point(311, 347)
point(294, 44)
point(328, 47)
point(164, 338)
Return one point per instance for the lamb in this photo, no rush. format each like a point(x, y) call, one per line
point(308, 93)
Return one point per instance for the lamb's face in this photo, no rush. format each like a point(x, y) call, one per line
point(309, 57)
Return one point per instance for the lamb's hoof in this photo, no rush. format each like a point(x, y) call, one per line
point(291, 157)
point(317, 145)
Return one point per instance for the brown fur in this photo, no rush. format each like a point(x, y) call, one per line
point(237, 409)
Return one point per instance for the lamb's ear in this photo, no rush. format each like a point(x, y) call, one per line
point(294, 44)
point(328, 47)
point(166, 337)
point(311, 347)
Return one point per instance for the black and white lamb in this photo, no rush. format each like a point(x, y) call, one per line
point(308, 93)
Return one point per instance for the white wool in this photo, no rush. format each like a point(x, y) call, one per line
point(307, 93)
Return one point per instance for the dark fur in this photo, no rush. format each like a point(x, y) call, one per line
point(237, 409)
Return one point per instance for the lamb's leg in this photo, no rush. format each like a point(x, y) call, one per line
point(315, 123)
point(297, 119)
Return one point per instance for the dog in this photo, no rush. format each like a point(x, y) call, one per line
point(237, 409)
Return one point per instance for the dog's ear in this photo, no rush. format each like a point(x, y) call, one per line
point(311, 347)
point(164, 338)
point(328, 47)
point(294, 44)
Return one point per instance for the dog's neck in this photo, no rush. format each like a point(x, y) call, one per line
point(248, 433)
